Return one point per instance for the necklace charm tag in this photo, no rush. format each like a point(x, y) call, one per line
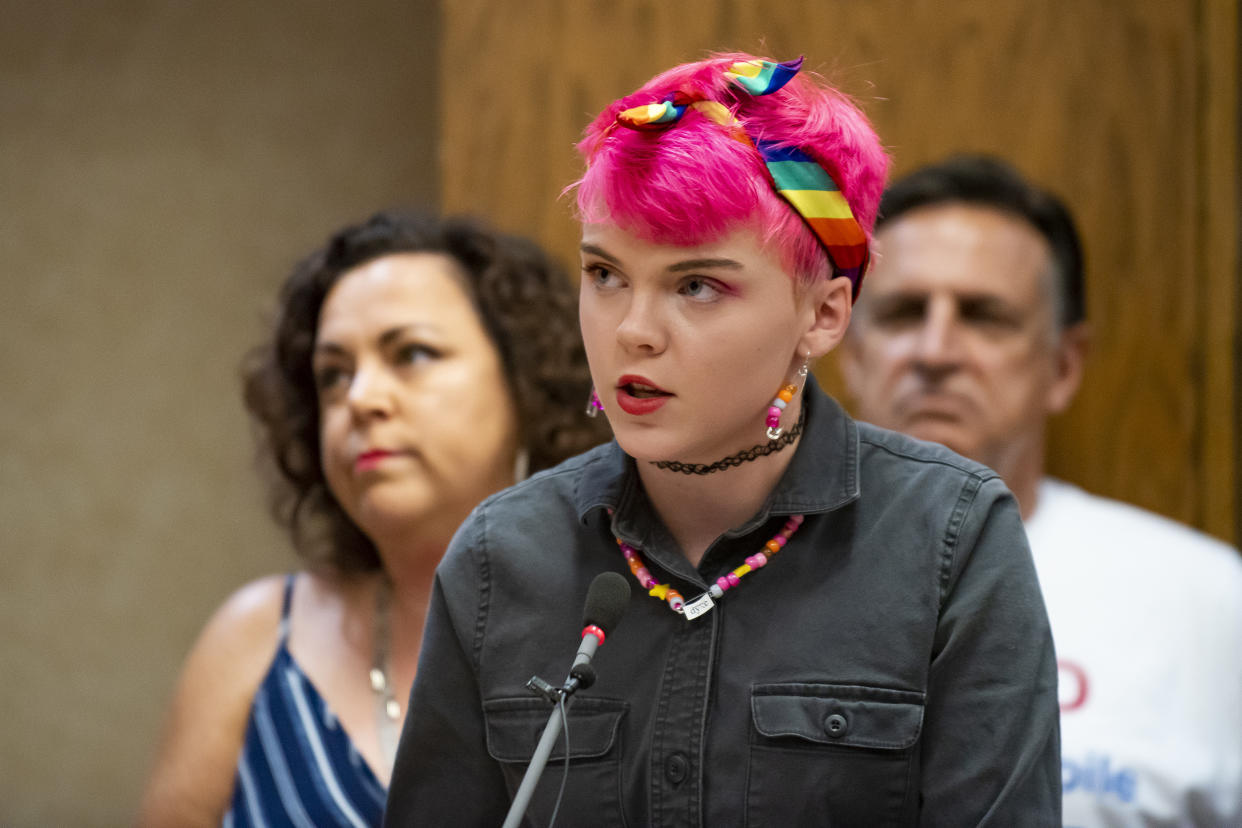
point(698, 606)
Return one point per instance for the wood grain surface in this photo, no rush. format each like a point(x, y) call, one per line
point(1127, 110)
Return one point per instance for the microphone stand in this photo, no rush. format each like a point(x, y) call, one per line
point(582, 675)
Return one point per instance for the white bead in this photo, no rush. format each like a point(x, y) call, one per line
point(779, 403)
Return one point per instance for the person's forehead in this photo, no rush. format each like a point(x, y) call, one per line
point(961, 248)
point(399, 288)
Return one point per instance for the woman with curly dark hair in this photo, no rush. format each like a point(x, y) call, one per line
point(416, 366)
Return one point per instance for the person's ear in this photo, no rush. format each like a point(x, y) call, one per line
point(1070, 357)
point(829, 304)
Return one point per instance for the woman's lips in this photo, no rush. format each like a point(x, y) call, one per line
point(371, 459)
point(639, 395)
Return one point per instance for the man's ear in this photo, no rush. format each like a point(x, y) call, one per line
point(1072, 347)
point(830, 304)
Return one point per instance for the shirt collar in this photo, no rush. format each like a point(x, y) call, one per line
point(822, 477)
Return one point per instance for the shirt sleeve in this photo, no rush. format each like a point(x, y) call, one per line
point(443, 774)
point(991, 741)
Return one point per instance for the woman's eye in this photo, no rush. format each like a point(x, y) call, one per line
point(699, 288)
point(599, 275)
point(415, 352)
point(328, 377)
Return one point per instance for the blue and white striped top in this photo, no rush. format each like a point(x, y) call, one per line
point(298, 765)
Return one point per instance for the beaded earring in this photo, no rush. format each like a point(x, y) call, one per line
point(594, 406)
point(782, 399)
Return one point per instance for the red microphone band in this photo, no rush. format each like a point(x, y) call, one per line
point(595, 631)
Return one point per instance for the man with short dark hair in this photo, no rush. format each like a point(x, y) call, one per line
point(972, 333)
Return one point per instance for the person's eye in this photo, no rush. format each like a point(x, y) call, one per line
point(989, 315)
point(416, 352)
point(600, 275)
point(897, 314)
point(329, 377)
point(700, 289)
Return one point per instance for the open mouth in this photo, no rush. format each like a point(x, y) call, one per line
point(642, 391)
point(637, 395)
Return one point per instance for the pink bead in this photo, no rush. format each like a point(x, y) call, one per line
point(774, 413)
point(723, 583)
point(780, 540)
point(732, 579)
point(756, 561)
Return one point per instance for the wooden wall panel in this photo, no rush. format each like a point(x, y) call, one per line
point(1127, 110)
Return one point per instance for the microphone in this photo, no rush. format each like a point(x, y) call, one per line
point(606, 600)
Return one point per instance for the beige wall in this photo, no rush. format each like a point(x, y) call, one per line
point(161, 167)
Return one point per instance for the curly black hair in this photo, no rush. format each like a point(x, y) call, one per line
point(528, 308)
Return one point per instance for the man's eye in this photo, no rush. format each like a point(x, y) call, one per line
point(902, 313)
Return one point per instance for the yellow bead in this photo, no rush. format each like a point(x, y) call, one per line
point(742, 570)
point(659, 591)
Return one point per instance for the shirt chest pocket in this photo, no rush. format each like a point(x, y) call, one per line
point(514, 726)
point(833, 754)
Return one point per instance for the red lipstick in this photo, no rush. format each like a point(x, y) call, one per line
point(638, 395)
point(371, 459)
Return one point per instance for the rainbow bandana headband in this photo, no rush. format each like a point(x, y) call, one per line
point(796, 176)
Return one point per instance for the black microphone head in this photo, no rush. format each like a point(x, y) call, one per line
point(605, 601)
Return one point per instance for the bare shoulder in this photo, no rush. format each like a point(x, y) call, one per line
point(192, 778)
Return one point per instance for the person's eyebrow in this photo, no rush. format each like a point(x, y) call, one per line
point(601, 252)
point(398, 331)
point(703, 264)
point(679, 267)
point(387, 338)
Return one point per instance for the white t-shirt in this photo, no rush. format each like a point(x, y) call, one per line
point(1147, 619)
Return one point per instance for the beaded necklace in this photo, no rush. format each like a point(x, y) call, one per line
point(716, 591)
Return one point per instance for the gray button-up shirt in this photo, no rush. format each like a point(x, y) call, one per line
point(892, 665)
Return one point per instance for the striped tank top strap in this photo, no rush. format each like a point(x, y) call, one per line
point(286, 602)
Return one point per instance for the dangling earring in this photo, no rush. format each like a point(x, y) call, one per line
point(593, 406)
point(783, 398)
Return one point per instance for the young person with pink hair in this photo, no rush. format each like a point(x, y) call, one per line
point(831, 623)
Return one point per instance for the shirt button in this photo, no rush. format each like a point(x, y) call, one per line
point(836, 725)
point(676, 766)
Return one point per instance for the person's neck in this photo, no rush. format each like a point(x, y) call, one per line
point(697, 509)
point(1022, 469)
point(409, 565)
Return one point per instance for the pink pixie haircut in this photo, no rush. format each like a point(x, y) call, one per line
point(692, 183)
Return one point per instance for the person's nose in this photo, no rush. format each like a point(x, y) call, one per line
point(371, 393)
point(642, 329)
point(938, 344)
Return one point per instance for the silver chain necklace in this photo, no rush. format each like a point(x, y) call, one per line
point(387, 710)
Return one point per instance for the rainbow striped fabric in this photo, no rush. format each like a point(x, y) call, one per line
point(813, 194)
point(762, 77)
point(797, 177)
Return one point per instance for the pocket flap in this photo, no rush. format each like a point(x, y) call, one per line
point(515, 725)
point(839, 714)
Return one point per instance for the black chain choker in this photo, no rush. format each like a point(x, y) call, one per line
point(743, 456)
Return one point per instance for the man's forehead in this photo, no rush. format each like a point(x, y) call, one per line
point(962, 249)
